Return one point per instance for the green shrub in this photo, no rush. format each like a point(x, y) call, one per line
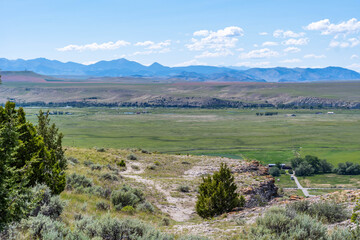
point(102, 206)
point(122, 163)
point(274, 171)
point(217, 194)
point(96, 167)
point(128, 209)
point(45, 203)
point(88, 163)
point(279, 223)
point(329, 212)
point(282, 171)
point(290, 171)
point(157, 163)
point(126, 196)
point(43, 227)
point(183, 188)
point(109, 177)
point(166, 221)
point(100, 149)
point(146, 207)
point(115, 229)
point(132, 157)
point(152, 167)
point(74, 181)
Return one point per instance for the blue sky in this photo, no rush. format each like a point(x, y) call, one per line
point(255, 33)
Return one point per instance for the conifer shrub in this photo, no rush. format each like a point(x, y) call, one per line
point(122, 163)
point(217, 194)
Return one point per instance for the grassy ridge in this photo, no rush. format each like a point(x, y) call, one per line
point(224, 132)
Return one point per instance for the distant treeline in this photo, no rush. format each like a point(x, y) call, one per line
point(267, 113)
point(182, 103)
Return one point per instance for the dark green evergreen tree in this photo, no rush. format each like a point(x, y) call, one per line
point(217, 194)
point(28, 155)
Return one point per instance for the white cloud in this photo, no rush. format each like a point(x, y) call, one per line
point(252, 64)
point(153, 45)
point(354, 56)
point(219, 40)
point(351, 42)
point(314, 56)
point(150, 51)
point(292, 50)
point(287, 34)
point(354, 66)
point(269, 44)
point(327, 28)
point(259, 53)
point(208, 54)
point(294, 60)
point(94, 46)
point(189, 63)
point(293, 41)
point(263, 33)
point(201, 33)
point(240, 49)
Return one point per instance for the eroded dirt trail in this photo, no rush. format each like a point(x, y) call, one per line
point(179, 209)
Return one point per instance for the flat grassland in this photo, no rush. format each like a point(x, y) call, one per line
point(234, 133)
point(135, 91)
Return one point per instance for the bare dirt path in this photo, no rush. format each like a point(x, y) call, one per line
point(178, 208)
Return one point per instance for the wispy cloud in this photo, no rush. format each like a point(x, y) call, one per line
point(287, 34)
point(293, 41)
point(314, 56)
point(293, 60)
point(292, 50)
point(269, 44)
point(153, 45)
point(351, 42)
point(94, 46)
point(259, 53)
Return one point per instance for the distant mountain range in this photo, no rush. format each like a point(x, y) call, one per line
point(125, 68)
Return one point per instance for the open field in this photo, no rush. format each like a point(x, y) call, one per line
point(131, 91)
point(223, 132)
point(330, 180)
